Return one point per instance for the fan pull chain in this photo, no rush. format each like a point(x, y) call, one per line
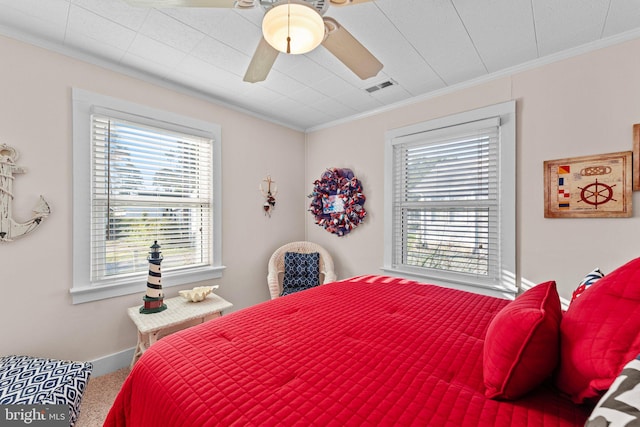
point(289, 26)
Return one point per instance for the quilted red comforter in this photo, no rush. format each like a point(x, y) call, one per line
point(369, 351)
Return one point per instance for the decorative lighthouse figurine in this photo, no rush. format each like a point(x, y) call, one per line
point(153, 300)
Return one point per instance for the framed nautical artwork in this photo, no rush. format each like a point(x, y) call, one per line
point(589, 186)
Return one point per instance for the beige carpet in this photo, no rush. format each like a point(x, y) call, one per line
point(98, 398)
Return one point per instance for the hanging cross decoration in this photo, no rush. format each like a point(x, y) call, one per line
point(269, 195)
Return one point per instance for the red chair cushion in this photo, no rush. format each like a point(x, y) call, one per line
point(522, 343)
point(600, 333)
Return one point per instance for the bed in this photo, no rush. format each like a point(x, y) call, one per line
point(367, 351)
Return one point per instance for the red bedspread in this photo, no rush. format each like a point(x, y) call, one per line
point(373, 350)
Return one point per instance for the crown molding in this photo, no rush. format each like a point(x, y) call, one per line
point(536, 63)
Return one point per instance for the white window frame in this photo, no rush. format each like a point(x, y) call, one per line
point(84, 104)
point(504, 282)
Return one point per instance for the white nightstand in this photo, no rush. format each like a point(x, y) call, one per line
point(179, 311)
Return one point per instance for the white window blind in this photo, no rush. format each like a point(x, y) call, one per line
point(446, 201)
point(148, 184)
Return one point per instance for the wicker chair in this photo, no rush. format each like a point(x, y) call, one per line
point(276, 265)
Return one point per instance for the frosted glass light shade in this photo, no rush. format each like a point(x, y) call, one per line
point(297, 19)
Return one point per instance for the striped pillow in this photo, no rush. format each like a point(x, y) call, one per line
point(588, 280)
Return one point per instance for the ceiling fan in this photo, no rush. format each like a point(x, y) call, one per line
point(295, 27)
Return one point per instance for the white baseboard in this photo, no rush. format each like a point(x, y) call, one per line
point(111, 363)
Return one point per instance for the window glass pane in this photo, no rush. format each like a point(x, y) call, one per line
point(149, 184)
point(447, 239)
point(450, 191)
point(457, 170)
point(446, 202)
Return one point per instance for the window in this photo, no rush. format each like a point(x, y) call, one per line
point(450, 189)
point(141, 176)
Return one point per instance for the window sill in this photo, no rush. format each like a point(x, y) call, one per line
point(506, 289)
point(82, 294)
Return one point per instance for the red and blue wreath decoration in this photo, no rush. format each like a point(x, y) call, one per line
point(337, 201)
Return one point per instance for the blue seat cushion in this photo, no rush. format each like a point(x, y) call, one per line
point(301, 271)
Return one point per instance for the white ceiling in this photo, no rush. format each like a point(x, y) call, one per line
point(425, 46)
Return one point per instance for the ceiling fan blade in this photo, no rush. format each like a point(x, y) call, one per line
point(347, 2)
point(187, 3)
point(261, 63)
point(350, 51)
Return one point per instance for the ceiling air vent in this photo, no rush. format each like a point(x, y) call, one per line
point(380, 86)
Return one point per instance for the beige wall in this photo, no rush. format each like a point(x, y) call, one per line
point(579, 106)
point(37, 316)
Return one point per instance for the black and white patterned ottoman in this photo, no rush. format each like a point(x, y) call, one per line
point(36, 381)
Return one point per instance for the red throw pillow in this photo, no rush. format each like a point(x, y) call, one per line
point(522, 343)
point(599, 333)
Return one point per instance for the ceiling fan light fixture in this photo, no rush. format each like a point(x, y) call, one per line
point(296, 20)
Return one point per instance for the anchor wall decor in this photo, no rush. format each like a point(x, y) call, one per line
point(9, 229)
